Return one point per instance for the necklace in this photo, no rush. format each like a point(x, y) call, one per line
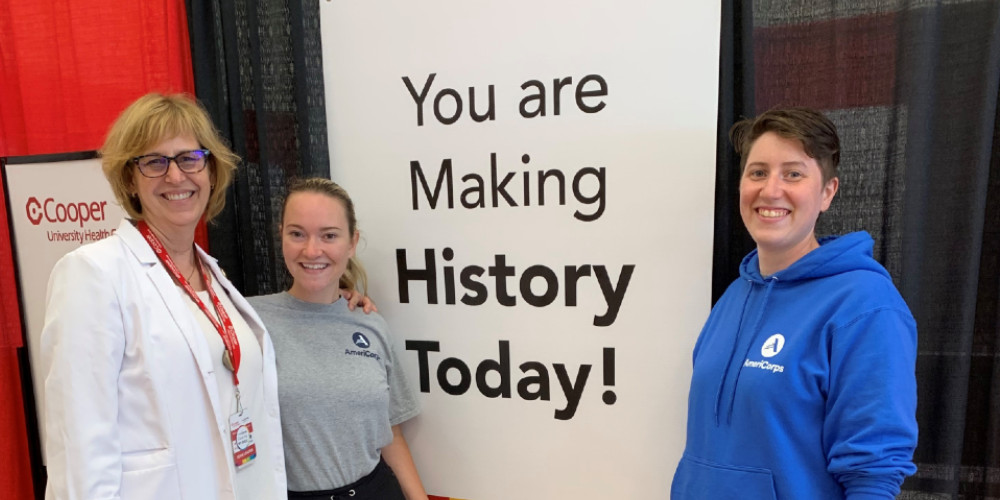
point(190, 275)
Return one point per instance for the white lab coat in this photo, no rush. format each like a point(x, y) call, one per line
point(131, 401)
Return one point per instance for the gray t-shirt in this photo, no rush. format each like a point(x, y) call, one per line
point(340, 389)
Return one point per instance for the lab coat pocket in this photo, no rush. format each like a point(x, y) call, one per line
point(698, 479)
point(150, 474)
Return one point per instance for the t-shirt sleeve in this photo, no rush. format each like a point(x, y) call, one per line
point(403, 403)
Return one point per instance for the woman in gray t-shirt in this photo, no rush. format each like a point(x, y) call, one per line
point(341, 390)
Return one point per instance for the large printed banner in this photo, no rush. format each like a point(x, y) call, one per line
point(534, 186)
point(55, 206)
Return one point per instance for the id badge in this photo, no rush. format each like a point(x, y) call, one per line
point(241, 431)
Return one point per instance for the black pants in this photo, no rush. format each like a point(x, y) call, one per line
point(379, 484)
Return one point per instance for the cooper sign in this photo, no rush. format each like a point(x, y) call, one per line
point(52, 211)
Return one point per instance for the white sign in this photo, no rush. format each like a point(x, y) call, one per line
point(55, 207)
point(534, 184)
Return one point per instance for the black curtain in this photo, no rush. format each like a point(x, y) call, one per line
point(736, 101)
point(913, 87)
point(258, 69)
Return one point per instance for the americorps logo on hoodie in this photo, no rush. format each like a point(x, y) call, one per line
point(771, 347)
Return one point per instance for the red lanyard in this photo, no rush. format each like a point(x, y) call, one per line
point(226, 329)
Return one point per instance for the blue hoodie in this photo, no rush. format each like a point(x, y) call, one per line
point(803, 383)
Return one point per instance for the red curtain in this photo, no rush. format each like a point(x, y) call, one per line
point(15, 467)
point(70, 67)
point(67, 69)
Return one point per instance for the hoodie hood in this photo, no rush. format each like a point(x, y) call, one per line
point(835, 255)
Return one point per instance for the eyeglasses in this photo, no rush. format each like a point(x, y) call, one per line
point(190, 162)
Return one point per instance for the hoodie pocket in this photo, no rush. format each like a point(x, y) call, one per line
point(699, 479)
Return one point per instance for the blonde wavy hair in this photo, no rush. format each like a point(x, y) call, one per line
point(151, 119)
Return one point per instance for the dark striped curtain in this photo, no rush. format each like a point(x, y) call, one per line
point(913, 88)
point(258, 70)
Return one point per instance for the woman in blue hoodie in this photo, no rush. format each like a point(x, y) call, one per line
point(803, 383)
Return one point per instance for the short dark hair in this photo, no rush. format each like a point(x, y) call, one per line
point(814, 130)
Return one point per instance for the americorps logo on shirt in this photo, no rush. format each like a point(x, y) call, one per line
point(362, 341)
point(771, 347)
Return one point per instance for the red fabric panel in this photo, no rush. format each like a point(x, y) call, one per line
point(201, 235)
point(10, 309)
point(70, 67)
point(860, 50)
point(15, 468)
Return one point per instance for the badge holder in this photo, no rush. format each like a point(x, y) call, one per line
point(241, 432)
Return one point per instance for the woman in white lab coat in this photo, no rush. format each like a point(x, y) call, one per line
point(159, 377)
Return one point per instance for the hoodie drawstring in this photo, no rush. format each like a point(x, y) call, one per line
point(753, 341)
point(725, 370)
point(755, 331)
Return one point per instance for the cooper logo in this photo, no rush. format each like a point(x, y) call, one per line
point(52, 211)
point(34, 211)
point(773, 345)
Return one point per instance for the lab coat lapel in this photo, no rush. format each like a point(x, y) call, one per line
point(176, 306)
